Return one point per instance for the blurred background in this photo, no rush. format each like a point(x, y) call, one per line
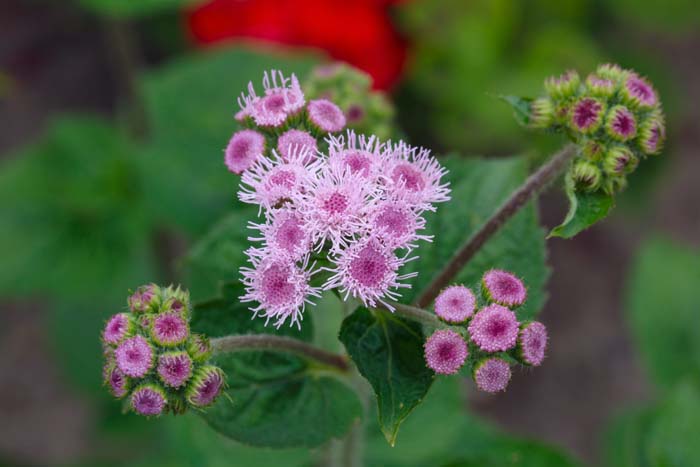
point(113, 116)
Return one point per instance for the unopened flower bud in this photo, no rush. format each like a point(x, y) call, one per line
point(134, 357)
point(532, 343)
point(199, 348)
point(494, 328)
point(620, 123)
point(541, 113)
point(174, 368)
point(564, 86)
point(148, 400)
point(445, 352)
point(600, 87)
point(614, 184)
point(611, 72)
point(592, 149)
point(145, 299)
point(205, 386)
point(455, 304)
point(169, 329)
point(619, 160)
point(325, 116)
point(504, 288)
point(119, 327)
point(492, 374)
point(587, 115)
point(117, 381)
point(652, 133)
point(586, 175)
point(638, 93)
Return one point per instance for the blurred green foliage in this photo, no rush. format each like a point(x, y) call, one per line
point(134, 8)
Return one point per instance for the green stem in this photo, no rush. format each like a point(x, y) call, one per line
point(417, 314)
point(520, 197)
point(279, 344)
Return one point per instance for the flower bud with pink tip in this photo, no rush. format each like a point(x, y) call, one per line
point(494, 329)
point(169, 329)
point(455, 304)
point(205, 387)
point(243, 150)
point(445, 352)
point(148, 400)
point(134, 357)
point(492, 375)
point(532, 343)
point(325, 116)
point(504, 288)
point(118, 327)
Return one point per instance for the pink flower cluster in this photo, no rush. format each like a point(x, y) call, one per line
point(151, 356)
point(340, 211)
point(488, 337)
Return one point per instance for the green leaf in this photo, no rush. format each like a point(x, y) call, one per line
point(479, 186)
point(626, 439)
point(273, 399)
point(73, 221)
point(122, 8)
point(190, 104)
point(521, 108)
point(585, 209)
point(662, 303)
point(388, 352)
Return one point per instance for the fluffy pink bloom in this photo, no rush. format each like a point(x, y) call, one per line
point(325, 115)
point(504, 288)
point(118, 382)
point(134, 357)
point(621, 124)
point(492, 375)
point(296, 140)
point(455, 304)
point(396, 222)
point(494, 328)
point(169, 329)
point(416, 176)
point(270, 182)
point(116, 329)
point(638, 92)
point(174, 368)
point(148, 400)
point(587, 115)
point(368, 270)
point(280, 287)
point(445, 352)
point(283, 97)
point(243, 149)
point(360, 154)
point(285, 232)
point(336, 204)
point(206, 386)
point(532, 343)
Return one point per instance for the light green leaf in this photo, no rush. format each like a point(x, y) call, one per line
point(273, 399)
point(662, 302)
point(585, 209)
point(190, 104)
point(388, 352)
point(479, 186)
point(521, 108)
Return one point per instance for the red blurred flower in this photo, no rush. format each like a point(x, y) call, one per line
point(359, 32)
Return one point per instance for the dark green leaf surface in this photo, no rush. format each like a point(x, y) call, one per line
point(479, 186)
point(662, 302)
point(388, 352)
point(134, 8)
point(274, 399)
point(190, 104)
point(585, 209)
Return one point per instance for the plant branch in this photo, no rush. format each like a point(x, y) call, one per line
point(520, 197)
point(416, 314)
point(279, 344)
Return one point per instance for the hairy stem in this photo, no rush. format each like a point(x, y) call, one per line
point(417, 314)
point(279, 344)
point(520, 197)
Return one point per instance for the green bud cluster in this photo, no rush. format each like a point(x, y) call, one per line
point(613, 116)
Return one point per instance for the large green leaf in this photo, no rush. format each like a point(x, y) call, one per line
point(190, 104)
point(626, 439)
point(72, 221)
point(478, 188)
point(129, 8)
point(663, 310)
point(585, 209)
point(273, 399)
point(388, 352)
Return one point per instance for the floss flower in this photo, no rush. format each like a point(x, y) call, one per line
point(504, 288)
point(532, 343)
point(150, 356)
point(243, 149)
point(455, 304)
point(445, 352)
point(492, 375)
point(494, 328)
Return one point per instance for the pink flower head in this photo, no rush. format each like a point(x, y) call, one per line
point(455, 304)
point(639, 93)
point(494, 328)
point(532, 343)
point(492, 375)
point(296, 140)
point(117, 328)
point(118, 382)
point(280, 287)
point(445, 352)
point(367, 269)
point(283, 97)
point(174, 368)
point(414, 175)
point(270, 182)
point(169, 329)
point(620, 123)
point(396, 222)
point(285, 232)
point(146, 298)
point(134, 357)
point(325, 115)
point(587, 115)
point(336, 204)
point(504, 288)
point(148, 400)
point(359, 154)
point(206, 386)
point(243, 149)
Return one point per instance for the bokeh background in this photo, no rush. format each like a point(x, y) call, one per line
point(113, 115)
